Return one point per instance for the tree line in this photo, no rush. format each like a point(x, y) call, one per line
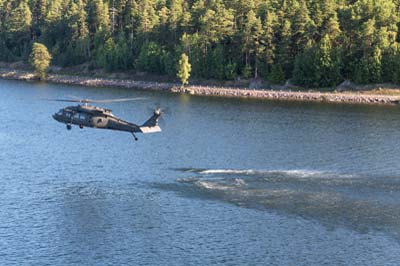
point(315, 43)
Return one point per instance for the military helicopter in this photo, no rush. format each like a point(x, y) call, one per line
point(85, 115)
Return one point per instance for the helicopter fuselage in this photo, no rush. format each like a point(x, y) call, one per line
point(96, 117)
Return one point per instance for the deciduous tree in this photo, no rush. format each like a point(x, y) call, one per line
point(40, 59)
point(184, 69)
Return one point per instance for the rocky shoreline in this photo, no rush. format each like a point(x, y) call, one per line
point(348, 97)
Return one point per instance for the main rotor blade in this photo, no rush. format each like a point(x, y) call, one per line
point(118, 100)
point(96, 101)
point(67, 100)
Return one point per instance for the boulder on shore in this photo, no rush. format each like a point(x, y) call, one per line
point(345, 85)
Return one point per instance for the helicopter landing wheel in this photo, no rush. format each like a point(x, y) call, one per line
point(134, 136)
point(69, 126)
point(81, 126)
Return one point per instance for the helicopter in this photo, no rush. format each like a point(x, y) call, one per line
point(86, 115)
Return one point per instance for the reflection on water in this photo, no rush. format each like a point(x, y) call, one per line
point(218, 186)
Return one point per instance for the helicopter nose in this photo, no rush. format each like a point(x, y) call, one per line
point(55, 117)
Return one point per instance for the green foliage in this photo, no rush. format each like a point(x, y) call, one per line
point(107, 55)
point(20, 18)
point(277, 75)
point(40, 59)
point(98, 16)
point(391, 64)
point(369, 68)
point(252, 48)
point(314, 43)
point(246, 71)
point(114, 56)
point(230, 71)
point(306, 71)
point(184, 69)
point(318, 66)
point(150, 58)
point(169, 62)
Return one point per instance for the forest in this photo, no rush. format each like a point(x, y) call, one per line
point(314, 43)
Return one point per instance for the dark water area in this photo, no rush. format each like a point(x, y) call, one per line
point(227, 182)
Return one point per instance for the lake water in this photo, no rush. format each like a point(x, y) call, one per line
point(227, 182)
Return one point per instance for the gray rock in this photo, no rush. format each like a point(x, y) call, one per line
point(345, 85)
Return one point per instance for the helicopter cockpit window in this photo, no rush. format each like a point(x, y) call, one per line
point(67, 114)
point(60, 112)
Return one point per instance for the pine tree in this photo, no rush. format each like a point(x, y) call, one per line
point(252, 33)
point(20, 19)
point(54, 12)
point(277, 75)
point(147, 17)
point(375, 68)
point(267, 40)
point(107, 55)
point(317, 67)
point(16, 30)
point(332, 28)
point(39, 9)
point(284, 55)
point(150, 58)
point(391, 64)
point(302, 27)
point(76, 21)
point(98, 17)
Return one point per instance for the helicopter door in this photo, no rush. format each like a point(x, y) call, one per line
point(83, 119)
point(68, 115)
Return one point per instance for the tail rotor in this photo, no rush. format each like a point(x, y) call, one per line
point(158, 111)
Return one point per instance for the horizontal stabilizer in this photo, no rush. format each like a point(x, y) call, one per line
point(146, 130)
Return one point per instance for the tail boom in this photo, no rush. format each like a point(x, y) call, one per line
point(151, 125)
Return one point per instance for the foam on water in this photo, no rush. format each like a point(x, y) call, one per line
point(228, 171)
point(350, 200)
point(295, 173)
point(211, 185)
